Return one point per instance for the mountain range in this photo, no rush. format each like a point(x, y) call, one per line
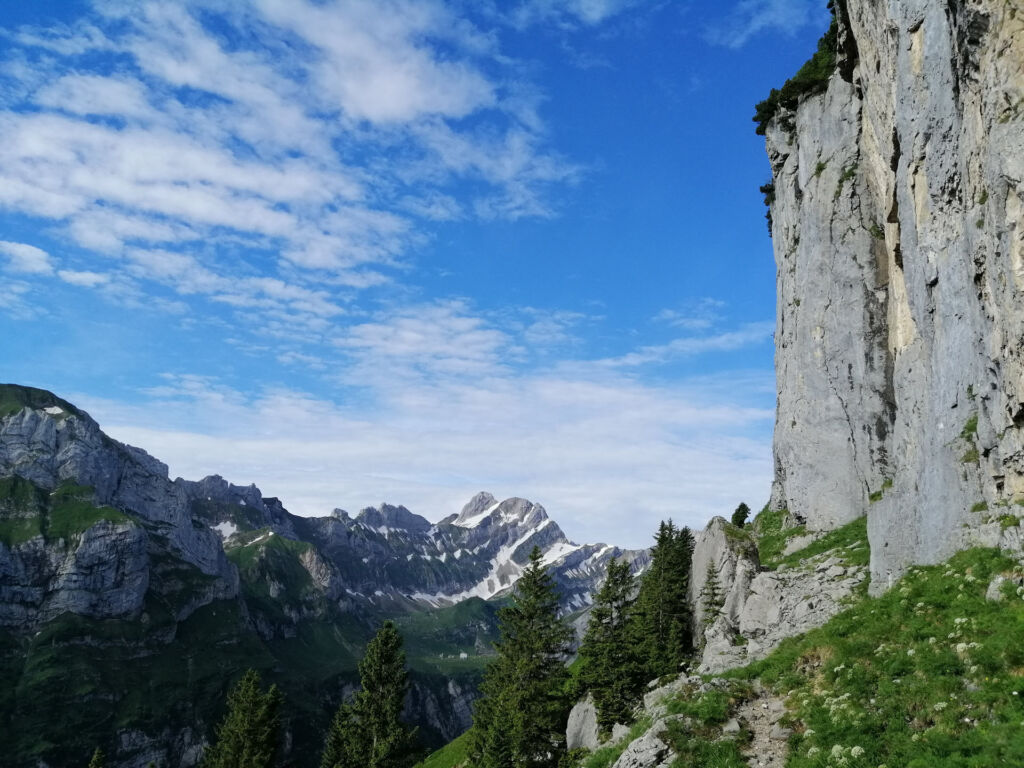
point(152, 594)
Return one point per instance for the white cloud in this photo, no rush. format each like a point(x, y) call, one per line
point(751, 17)
point(442, 339)
point(699, 315)
point(746, 335)
point(96, 95)
point(26, 259)
point(589, 12)
point(84, 279)
point(377, 62)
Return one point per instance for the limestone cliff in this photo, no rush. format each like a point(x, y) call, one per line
point(898, 229)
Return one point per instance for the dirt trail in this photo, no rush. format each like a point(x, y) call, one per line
point(760, 715)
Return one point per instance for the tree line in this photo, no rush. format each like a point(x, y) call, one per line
point(640, 629)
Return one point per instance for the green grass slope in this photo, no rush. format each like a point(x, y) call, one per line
point(14, 397)
point(929, 674)
point(27, 511)
point(451, 755)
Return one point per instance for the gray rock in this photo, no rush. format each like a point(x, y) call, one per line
point(779, 733)
point(582, 730)
point(734, 558)
point(995, 588)
point(646, 751)
point(761, 607)
point(731, 727)
point(619, 732)
point(899, 243)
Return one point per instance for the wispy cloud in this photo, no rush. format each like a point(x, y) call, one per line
point(424, 342)
point(588, 12)
point(752, 17)
point(686, 346)
point(297, 149)
point(695, 316)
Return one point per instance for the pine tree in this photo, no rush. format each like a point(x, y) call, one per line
point(711, 596)
point(343, 746)
point(613, 667)
point(663, 627)
point(739, 517)
point(519, 721)
point(368, 733)
point(99, 760)
point(248, 735)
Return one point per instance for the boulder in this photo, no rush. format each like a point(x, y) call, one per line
point(581, 730)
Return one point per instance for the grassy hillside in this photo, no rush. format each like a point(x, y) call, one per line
point(451, 755)
point(27, 511)
point(929, 674)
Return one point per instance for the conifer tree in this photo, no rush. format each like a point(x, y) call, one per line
point(369, 732)
point(613, 667)
point(711, 596)
point(99, 760)
point(519, 720)
point(663, 626)
point(248, 735)
point(739, 517)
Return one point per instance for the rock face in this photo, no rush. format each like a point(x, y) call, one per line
point(732, 553)
point(779, 604)
point(899, 242)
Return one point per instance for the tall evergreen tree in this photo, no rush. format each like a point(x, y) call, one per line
point(369, 732)
point(711, 597)
point(613, 665)
point(99, 760)
point(664, 624)
point(249, 734)
point(519, 720)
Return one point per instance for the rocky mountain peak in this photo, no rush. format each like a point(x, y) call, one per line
point(387, 517)
point(475, 510)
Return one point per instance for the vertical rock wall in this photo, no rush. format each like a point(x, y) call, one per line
point(899, 241)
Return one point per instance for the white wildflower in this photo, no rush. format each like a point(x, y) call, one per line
point(857, 752)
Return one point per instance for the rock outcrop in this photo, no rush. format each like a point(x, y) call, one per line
point(581, 730)
point(760, 608)
point(899, 241)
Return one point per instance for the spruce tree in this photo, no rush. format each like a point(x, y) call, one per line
point(663, 627)
point(368, 733)
point(99, 760)
point(519, 720)
point(248, 735)
point(739, 517)
point(711, 596)
point(613, 667)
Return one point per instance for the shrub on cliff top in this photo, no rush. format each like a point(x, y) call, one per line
point(811, 78)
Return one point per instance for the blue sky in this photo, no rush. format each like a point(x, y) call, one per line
point(405, 250)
